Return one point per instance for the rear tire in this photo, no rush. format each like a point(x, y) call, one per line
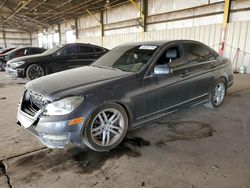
point(217, 94)
point(34, 71)
point(107, 127)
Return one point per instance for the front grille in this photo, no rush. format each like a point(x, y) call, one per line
point(32, 102)
point(32, 130)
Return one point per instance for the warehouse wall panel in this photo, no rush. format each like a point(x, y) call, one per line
point(120, 13)
point(88, 21)
point(162, 6)
point(167, 20)
point(91, 40)
point(237, 44)
point(237, 37)
point(14, 38)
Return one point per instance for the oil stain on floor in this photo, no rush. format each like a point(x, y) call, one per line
point(86, 161)
point(83, 160)
point(186, 130)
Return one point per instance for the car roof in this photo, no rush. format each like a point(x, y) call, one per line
point(158, 42)
point(8, 49)
point(14, 50)
point(93, 45)
point(80, 44)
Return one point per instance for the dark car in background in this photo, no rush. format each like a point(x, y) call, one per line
point(2, 62)
point(128, 86)
point(19, 52)
point(6, 50)
point(59, 58)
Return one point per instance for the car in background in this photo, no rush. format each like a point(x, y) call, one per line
point(19, 52)
point(6, 50)
point(130, 85)
point(59, 58)
point(2, 63)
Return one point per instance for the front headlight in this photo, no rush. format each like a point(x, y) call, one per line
point(63, 106)
point(16, 64)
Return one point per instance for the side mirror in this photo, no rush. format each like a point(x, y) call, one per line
point(162, 69)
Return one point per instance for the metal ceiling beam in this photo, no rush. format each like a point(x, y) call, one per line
point(19, 9)
point(41, 18)
point(143, 14)
point(58, 6)
point(37, 22)
point(39, 4)
point(43, 13)
point(3, 4)
point(28, 18)
point(137, 8)
point(226, 13)
point(14, 26)
point(72, 8)
point(77, 7)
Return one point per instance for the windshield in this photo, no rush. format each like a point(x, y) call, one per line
point(52, 50)
point(127, 58)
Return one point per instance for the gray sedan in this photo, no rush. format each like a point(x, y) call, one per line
point(130, 85)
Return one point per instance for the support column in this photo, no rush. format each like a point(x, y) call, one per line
point(100, 22)
point(76, 29)
point(224, 26)
point(145, 12)
point(101, 27)
point(59, 32)
point(30, 39)
point(4, 39)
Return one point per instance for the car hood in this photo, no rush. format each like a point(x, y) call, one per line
point(80, 81)
point(28, 58)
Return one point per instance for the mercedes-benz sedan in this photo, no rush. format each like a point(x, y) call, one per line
point(134, 83)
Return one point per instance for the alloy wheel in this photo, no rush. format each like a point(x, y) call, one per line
point(35, 72)
point(107, 127)
point(219, 93)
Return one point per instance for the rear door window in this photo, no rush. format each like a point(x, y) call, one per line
point(36, 50)
point(70, 50)
point(197, 53)
point(86, 49)
point(99, 49)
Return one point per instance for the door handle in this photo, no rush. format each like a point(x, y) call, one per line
point(185, 74)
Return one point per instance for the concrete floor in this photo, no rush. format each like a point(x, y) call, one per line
point(196, 147)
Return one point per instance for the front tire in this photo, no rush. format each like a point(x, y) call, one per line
point(2, 65)
point(34, 71)
point(107, 127)
point(217, 94)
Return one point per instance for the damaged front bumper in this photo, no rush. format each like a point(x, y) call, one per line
point(53, 132)
point(14, 73)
